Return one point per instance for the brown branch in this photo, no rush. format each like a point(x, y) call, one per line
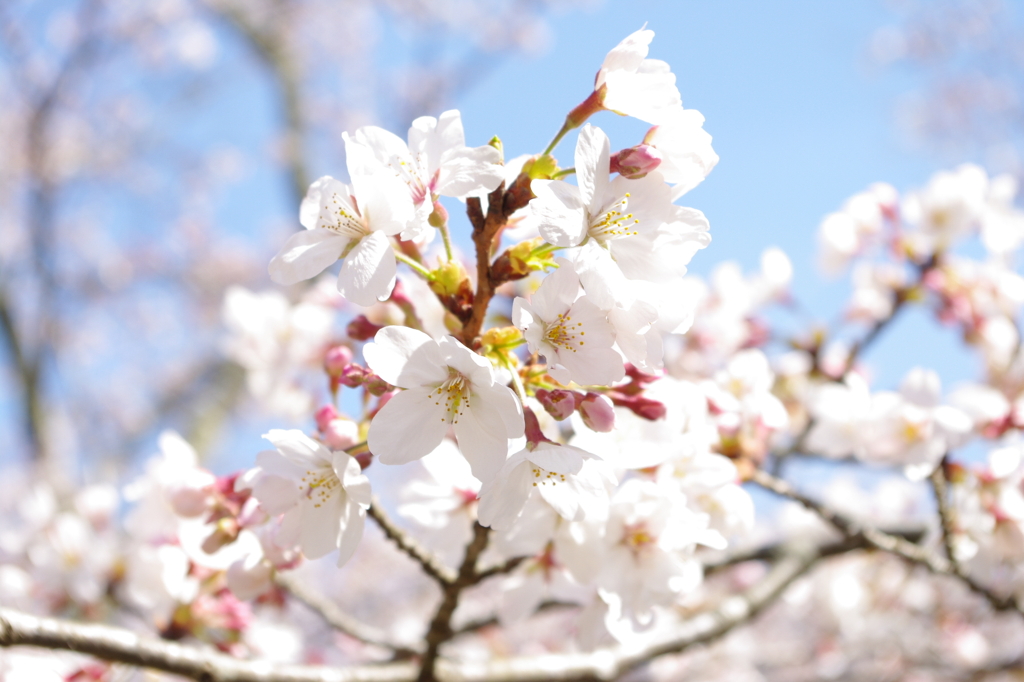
point(884, 541)
point(941, 489)
point(500, 569)
point(441, 625)
point(338, 619)
point(430, 564)
point(205, 665)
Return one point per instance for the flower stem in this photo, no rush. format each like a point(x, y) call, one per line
point(562, 173)
point(447, 238)
point(415, 265)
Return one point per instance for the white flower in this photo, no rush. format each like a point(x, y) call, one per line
point(573, 482)
point(911, 427)
point(839, 411)
point(635, 86)
point(623, 228)
point(651, 538)
point(352, 224)
point(322, 494)
point(277, 343)
point(685, 147)
point(573, 335)
point(436, 162)
point(447, 385)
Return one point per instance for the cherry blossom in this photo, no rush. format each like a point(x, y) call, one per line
point(447, 385)
point(322, 494)
point(351, 224)
point(622, 228)
point(631, 85)
point(435, 162)
point(569, 330)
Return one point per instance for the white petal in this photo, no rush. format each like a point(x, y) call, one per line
point(592, 165)
point(306, 254)
point(408, 427)
point(321, 525)
point(405, 357)
point(368, 273)
point(353, 521)
point(559, 211)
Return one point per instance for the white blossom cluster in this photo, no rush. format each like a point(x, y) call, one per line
point(577, 419)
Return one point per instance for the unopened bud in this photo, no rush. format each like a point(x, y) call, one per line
point(336, 359)
point(352, 376)
point(598, 412)
point(361, 329)
point(324, 416)
point(635, 162)
point(375, 385)
point(451, 279)
point(559, 403)
point(640, 405)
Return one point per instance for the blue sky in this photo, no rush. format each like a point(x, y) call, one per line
point(800, 118)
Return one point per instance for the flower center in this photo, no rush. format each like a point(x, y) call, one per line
point(454, 391)
point(562, 334)
point(544, 477)
point(347, 220)
point(614, 223)
point(319, 485)
point(637, 537)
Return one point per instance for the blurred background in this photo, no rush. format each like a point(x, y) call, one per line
point(155, 153)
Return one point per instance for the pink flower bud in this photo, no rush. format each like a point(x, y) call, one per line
point(336, 359)
point(364, 459)
point(635, 162)
point(640, 406)
point(375, 385)
point(558, 403)
point(352, 376)
point(324, 416)
point(598, 412)
point(361, 329)
point(340, 434)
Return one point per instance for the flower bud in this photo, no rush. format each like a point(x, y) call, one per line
point(361, 329)
point(336, 359)
point(598, 412)
point(375, 385)
point(324, 416)
point(559, 403)
point(635, 162)
point(352, 376)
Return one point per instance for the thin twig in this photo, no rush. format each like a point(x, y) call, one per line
point(338, 619)
point(430, 564)
point(941, 489)
point(500, 569)
point(884, 541)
